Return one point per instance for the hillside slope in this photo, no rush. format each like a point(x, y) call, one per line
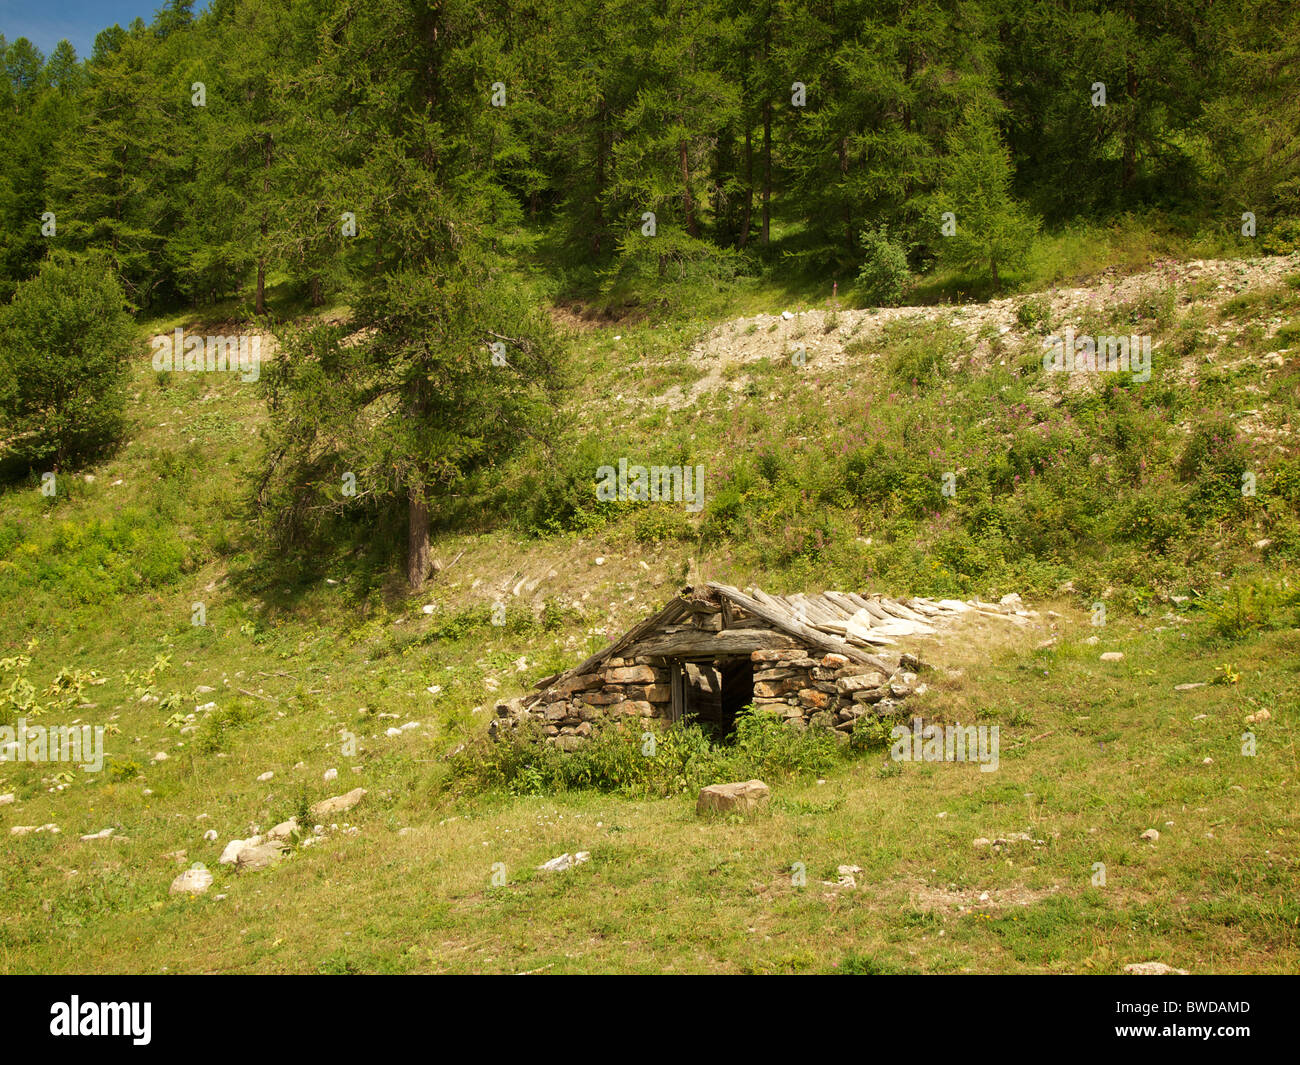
point(823, 471)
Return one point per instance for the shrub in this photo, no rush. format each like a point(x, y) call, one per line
point(683, 761)
point(64, 343)
point(1260, 606)
point(883, 273)
point(1035, 314)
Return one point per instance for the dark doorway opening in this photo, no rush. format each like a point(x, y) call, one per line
point(715, 692)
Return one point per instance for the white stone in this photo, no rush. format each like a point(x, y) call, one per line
point(564, 861)
point(101, 834)
point(192, 882)
point(1153, 968)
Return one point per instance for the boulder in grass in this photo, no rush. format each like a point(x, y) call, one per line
point(194, 881)
point(251, 859)
point(286, 830)
point(338, 804)
point(742, 798)
point(230, 855)
point(1153, 968)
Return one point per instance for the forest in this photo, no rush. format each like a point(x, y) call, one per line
point(421, 163)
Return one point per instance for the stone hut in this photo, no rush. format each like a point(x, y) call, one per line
point(715, 649)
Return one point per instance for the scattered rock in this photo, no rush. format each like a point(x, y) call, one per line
point(331, 774)
point(103, 833)
point(1112, 656)
point(285, 830)
point(1189, 687)
point(338, 804)
point(733, 798)
point(1258, 716)
point(210, 835)
point(6, 800)
point(26, 830)
point(193, 881)
point(251, 859)
point(1150, 834)
point(235, 847)
point(1153, 968)
point(564, 861)
point(265, 777)
point(847, 876)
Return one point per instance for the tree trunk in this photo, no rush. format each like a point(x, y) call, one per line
point(599, 227)
point(1130, 133)
point(847, 212)
point(264, 228)
point(417, 537)
point(688, 205)
point(767, 170)
point(749, 185)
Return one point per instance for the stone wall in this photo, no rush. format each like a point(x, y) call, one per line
point(570, 711)
point(805, 687)
point(828, 691)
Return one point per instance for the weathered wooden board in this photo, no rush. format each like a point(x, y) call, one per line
point(699, 644)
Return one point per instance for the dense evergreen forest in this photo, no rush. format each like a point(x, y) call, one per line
point(422, 164)
point(325, 141)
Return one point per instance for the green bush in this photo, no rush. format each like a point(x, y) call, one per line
point(617, 760)
point(1259, 606)
point(65, 339)
point(883, 274)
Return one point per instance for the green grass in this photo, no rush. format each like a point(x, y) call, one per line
point(1104, 492)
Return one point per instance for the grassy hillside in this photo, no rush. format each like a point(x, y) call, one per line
point(821, 471)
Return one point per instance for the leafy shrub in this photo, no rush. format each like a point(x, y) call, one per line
point(218, 724)
point(883, 274)
point(65, 339)
point(1259, 606)
point(683, 761)
point(1035, 313)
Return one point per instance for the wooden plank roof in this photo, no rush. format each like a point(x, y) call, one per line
point(833, 622)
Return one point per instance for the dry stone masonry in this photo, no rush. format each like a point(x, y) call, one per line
point(711, 650)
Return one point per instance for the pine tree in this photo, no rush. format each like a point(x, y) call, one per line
point(992, 229)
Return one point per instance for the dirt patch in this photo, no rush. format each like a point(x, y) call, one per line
point(584, 319)
point(833, 339)
point(932, 899)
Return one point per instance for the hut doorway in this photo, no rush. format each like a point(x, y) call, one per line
point(713, 693)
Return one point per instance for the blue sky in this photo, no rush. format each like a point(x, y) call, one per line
point(46, 22)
